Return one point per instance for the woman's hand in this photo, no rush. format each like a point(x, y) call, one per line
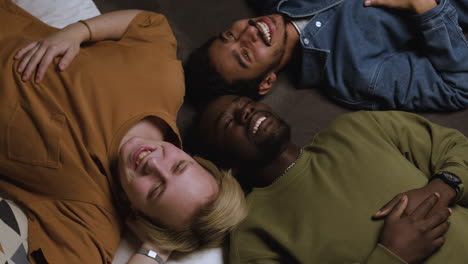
point(417, 6)
point(38, 55)
point(416, 236)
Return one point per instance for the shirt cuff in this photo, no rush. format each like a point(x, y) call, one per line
point(425, 18)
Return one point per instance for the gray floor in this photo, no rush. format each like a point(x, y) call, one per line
point(194, 21)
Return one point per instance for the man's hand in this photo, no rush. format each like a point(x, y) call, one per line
point(417, 6)
point(416, 196)
point(416, 236)
point(38, 55)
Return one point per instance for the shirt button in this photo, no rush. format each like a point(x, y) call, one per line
point(318, 24)
point(306, 41)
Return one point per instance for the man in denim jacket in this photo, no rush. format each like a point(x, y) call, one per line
point(380, 54)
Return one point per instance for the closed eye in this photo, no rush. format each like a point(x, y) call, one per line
point(227, 122)
point(155, 191)
point(246, 55)
point(230, 35)
point(179, 166)
point(242, 101)
point(227, 36)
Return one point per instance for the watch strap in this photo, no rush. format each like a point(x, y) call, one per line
point(151, 254)
point(453, 181)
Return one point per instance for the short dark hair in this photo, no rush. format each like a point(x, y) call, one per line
point(204, 83)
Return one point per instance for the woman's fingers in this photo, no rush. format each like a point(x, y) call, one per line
point(39, 56)
point(33, 62)
point(67, 59)
point(26, 58)
point(45, 62)
point(24, 50)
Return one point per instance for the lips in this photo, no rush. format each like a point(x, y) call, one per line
point(140, 154)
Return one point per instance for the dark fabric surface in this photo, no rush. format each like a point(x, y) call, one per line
point(305, 109)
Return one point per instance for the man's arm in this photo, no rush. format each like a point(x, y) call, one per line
point(432, 149)
point(435, 76)
point(66, 42)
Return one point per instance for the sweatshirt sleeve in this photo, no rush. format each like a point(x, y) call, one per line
point(428, 146)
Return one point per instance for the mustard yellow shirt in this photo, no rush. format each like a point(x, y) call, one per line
point(59, 139)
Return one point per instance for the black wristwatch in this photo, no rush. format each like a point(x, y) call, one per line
point(451, 180)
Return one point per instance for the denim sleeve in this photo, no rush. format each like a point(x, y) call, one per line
point(433, 78)
point(462, 10)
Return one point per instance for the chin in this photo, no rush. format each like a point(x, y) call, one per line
point(277, 142)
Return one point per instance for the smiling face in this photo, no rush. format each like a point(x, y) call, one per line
point(163, 182)
point(244, 130)
point(250, 48)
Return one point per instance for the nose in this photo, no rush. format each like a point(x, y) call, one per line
point(250, 33)
point(243, 114)
point(153, 167)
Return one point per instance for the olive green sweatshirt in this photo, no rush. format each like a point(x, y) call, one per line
point(320, 210)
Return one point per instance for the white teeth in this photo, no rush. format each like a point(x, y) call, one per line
point(142, 155)
point(265, 30)
point(257, 124)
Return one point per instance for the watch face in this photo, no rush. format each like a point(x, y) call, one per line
point(450, 179)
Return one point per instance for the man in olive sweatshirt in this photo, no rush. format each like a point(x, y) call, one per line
point(318, 203)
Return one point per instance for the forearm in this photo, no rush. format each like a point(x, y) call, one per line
point(431, 148)
point(109, 26)
point(436, 78)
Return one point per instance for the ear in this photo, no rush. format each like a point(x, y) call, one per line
point(267, 83)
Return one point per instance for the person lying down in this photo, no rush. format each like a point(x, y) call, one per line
point(89, 140)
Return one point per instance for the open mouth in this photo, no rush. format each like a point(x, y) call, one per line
point(265, 32)
point(140, 154)
point(265, 27)
point(256, 122)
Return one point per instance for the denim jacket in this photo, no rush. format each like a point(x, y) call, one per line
point(379, 58)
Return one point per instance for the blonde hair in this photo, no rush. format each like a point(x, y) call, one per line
point(211, 224)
